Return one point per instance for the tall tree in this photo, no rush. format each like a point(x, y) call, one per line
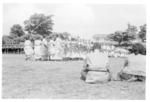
point(142, 32)
point(65, 35)
point(39, 24)
point(131, 29)
point(124, 36)
point(16, 31)
point(130, 33)
point(117, 36)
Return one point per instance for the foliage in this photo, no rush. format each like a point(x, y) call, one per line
point(7, 40)
point(131, 30)
point(124, 37)
point(16, 31)
point(39, 24)
point(30, 37)
point(65, 36)
point(138, 48)
point(142, 32)
point(117, 36)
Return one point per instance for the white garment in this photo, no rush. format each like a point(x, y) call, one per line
point(44, 50)
point(97, 59)
point(51, 47)
point(28, 48)
point(37, 49)
point(136, 65)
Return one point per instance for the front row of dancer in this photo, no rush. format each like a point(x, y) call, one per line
point(54, 49)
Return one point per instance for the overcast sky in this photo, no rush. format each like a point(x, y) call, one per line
point(84, 20)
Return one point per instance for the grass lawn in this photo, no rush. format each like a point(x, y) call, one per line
point(59, 80)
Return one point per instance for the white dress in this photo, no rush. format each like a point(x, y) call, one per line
point(37, 49)
point(28, 48)
point(44, 50)
point(51, 48)
point(58, 50)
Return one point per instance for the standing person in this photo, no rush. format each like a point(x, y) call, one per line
point(59, 50)
point(51, 48)
point(37, 49)
point(44, 49)
point(28, 49)
point(96, 67)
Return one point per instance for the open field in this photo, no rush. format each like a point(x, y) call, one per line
point(59, 80)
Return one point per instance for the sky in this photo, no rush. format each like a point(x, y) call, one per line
point(82, 20)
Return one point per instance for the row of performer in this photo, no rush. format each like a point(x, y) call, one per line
point(53, 49)
point(59, 49)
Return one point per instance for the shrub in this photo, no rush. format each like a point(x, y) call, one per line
point(138, 48)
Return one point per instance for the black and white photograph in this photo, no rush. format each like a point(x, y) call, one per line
point(75, 50)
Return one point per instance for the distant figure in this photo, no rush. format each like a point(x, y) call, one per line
point(51, 48)
point(44, 50)
point(96, 68)
point(37, 49)
point(28, 49)
point(58, 49)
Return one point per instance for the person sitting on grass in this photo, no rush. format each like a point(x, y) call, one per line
point(96, 67)
point(134, 68)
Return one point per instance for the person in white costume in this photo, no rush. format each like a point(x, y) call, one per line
point(59, 51)
point(37, 49)
point(96, 67)
point(51, 48)
point(28, 49)
point(44, 49)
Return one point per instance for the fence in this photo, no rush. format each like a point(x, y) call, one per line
point(12, 49)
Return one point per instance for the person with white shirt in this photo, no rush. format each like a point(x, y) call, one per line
point(28, 49)
point(96, 67)
point(37, 49)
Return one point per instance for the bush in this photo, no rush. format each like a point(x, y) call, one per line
point(138, 48)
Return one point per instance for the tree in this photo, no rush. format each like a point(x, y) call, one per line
point(29, 37)
point(16, 31)
point(130, 33)
point(142, 32)
point(117, 36)
point(39, 24)
point(6, 39)
point(124, 37)
point(65, 35)
point(131, 30)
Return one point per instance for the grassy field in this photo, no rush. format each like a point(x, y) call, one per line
point(59, 80)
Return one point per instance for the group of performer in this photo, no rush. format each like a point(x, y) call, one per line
point(57, 49)
point(54, 49)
